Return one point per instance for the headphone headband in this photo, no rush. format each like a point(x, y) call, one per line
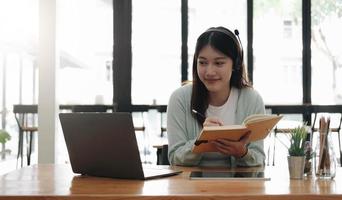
point(226, 32)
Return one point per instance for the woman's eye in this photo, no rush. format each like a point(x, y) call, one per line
point(219, 63)
point(202, 62)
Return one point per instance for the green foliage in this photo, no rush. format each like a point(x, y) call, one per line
point(322, 9)
point(297, 141)
point(4, 136)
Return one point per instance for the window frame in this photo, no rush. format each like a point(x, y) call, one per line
point(122, 55)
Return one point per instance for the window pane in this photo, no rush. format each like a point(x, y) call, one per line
point(12, 79)
point(2, 74)
point(204, 14)
point(29, 77)
point(85, 33)
point(278, 51)
point(156, 47)
point(326, 58)
point(18, 48)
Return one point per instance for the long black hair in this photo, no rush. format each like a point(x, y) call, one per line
point(224, 41)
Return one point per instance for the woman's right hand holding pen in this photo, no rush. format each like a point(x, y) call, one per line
point(209, 121)
point(212, 121)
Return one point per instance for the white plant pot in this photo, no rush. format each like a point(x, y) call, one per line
point(296, 166)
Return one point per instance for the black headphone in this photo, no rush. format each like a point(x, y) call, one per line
point(235, 37)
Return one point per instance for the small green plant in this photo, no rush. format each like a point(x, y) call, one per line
point(4, 136)
point(297, 137)
point(297, 141)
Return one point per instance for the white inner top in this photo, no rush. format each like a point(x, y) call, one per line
point(226, 112)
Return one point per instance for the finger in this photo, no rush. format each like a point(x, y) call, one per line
point(212, 121)
point(226, 141)
point(245, 138)
point(219, 122)
point(216, 121)
point(222, 148)
point(219, 145)
point(223, 151)
point(231, 151)
point(223, 145)
point(207, 123)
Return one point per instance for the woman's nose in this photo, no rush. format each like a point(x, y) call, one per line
point(210, 70)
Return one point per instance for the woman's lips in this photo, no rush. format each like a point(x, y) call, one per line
point(211, 80)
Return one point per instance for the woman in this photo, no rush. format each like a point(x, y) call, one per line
point(220, 94)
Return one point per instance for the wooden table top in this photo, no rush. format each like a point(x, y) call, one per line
point(49, 181)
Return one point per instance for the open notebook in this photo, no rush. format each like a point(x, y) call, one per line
point(104, 144)
point(258, 124)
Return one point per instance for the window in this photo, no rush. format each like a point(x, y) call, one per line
point(277, 50)
point(156, 47)
point(18, 47)
point(85, 40)
point(326, 59)
point(85, 33)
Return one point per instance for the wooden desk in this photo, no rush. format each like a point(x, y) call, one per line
point(58, 182)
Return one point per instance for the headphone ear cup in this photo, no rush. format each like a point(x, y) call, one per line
point(237, 64)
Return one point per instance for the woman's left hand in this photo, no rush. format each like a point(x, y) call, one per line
point(233, 148)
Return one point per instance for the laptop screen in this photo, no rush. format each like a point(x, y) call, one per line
point(102, 144)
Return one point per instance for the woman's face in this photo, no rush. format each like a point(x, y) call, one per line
point(214, 69)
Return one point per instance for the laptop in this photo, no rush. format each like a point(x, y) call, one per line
point(104, 144)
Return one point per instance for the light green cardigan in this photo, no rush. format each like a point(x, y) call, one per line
point(183, 129)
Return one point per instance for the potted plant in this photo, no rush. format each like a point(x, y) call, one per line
point(4, 137)
point(296, 150)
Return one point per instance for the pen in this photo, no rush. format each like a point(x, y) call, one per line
point(198, 113)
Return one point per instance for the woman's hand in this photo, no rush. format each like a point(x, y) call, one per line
point(233, 148)
point(212, 121)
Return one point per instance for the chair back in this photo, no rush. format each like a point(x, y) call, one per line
point(164, 155)
point(89, 108)
point(22, 109)
point(27, 121)
point(26, 116)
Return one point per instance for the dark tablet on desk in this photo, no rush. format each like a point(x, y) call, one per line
point(228, 175)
